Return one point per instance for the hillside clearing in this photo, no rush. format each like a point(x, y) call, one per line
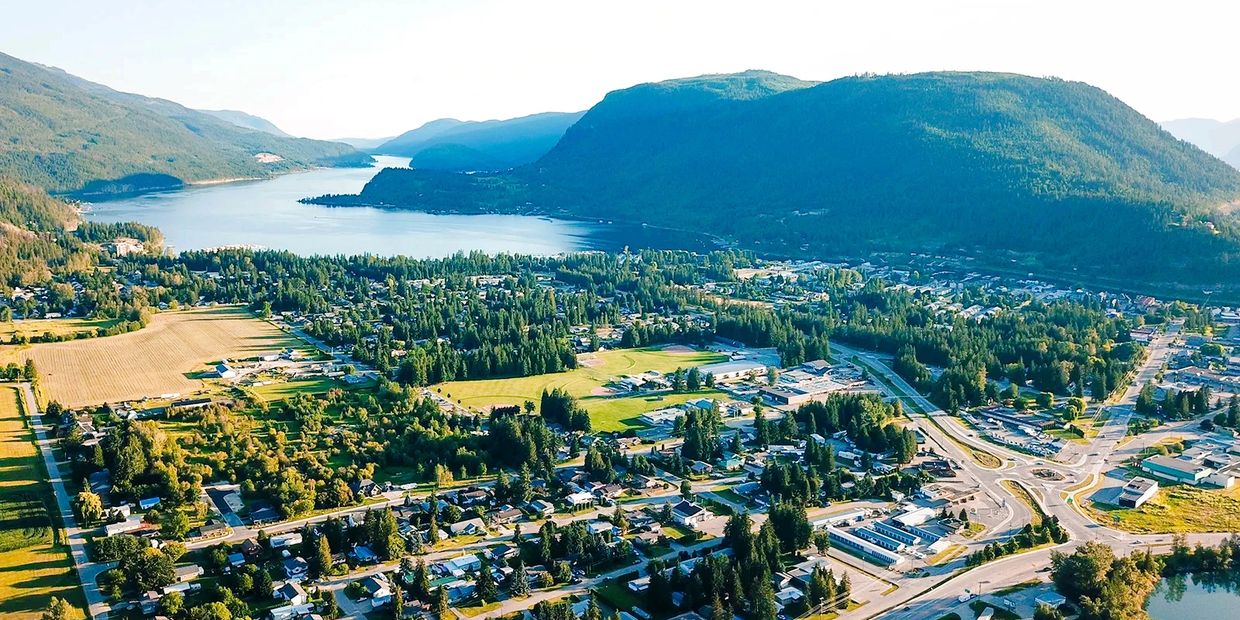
point(160, 359)
point(32, 567)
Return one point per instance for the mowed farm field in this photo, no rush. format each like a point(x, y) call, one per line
point(586, 383)
point(33, 568)
point(159, 359)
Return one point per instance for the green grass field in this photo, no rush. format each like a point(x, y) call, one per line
point(1176, 508)
point(606, 412)
point(33, 567)
point(281, 390)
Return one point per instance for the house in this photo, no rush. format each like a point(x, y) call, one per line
point(541, 508)
point(149, 602)
point(378, 589)
point(131, 524)
point(187, 573)
point(250, 547)
point(148, 503)
point(459, 590)
point(285, 540)
point(597, 528)
point(224, 371)
point(289, 591)
point(501, 552)
point(700, 468)
point(364, 555)
point(732, 462)
point(290, 612)
point(506, 515)
point(639, 585)
point(788, 596)
point(468, 527)
point(689, 514)
point(579, 500)
point(462, 564)
point(365, 488)
point(236, 559)
point(212, 530)
point(296, 568)
point(1138, 491)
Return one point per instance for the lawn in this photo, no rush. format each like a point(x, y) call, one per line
point(281, 390)
point(586, 383)
point(33, 567)
point(159, 359)
point(1176, 508)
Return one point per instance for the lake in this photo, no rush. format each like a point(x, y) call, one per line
point(265, 214)
point(1185, 597)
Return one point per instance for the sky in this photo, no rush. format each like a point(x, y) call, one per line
point(372, 68)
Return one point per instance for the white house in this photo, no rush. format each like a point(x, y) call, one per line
point(689, 514)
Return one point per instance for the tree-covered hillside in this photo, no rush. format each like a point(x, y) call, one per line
point(61, 132)
point(1024, 172)
point(449, 144)
point(247, 121)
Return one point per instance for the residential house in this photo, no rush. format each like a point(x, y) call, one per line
point(689, 514)
point(289, 591)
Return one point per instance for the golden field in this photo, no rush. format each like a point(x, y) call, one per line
point(162, 358)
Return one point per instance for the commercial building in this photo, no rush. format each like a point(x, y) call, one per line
point(880, 540)
point(864, 548)
point(1178, 470)
point(891, 531)
point(1138, 491)
point(735, 370)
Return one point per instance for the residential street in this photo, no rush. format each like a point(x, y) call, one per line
point(87, 571)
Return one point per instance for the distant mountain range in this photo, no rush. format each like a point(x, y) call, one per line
point(247, 121)
point(467, 146)
point(1021, 173)
point(1218, 138)
point(364, 144)
point(68, 135)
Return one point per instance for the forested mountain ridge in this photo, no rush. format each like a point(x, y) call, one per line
point(1031, 173)
point(245, 120)
point(62, 133)
point(1218, 138)
point(463, 146)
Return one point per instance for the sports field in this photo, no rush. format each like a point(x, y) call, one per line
point(159, 359)
point(586, 384)
point(32, 568)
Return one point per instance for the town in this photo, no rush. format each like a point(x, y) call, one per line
point(673, 445)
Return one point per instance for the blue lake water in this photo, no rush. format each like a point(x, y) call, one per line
point(1190, 597)
point(266, 214)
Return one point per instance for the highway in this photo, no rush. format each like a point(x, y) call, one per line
point(917, 600)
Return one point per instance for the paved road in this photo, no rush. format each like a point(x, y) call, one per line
point(87, 571)
point(916, 599)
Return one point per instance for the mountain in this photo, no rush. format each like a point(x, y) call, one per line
point(364, 144)
point(1021, 173)
point(463, 146)
point(247, 121)
point(1217, 138)
point(66, 134)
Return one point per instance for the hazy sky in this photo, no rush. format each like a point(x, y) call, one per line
point(367, 68)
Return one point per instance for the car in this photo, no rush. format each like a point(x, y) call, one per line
point(965, 597)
